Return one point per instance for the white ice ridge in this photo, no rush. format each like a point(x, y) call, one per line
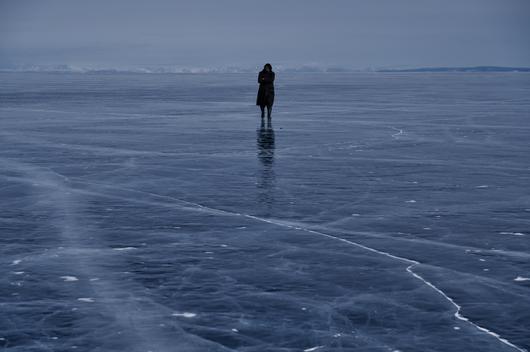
point(409, 269)
point(400, 132)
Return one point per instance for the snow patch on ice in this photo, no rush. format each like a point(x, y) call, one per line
point(313, 348)
point(512, 233)
point(124, 248)
point(85, 299)
point(184, 314)
point(520, 278)
point(69, 278)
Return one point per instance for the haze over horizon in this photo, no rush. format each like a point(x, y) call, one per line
point(246, 33)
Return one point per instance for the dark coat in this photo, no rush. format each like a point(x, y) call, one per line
point(266, 88)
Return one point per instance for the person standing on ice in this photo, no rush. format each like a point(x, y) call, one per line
point(266, 90)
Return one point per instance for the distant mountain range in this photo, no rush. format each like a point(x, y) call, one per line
point(246, 69)
point(460, 69)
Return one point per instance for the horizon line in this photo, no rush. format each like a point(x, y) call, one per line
point(304, 68)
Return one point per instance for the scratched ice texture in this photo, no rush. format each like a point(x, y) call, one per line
point(379, 212)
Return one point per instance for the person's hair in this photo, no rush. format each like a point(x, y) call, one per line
point(269, 66)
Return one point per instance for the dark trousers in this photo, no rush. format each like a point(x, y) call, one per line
point(269, 110)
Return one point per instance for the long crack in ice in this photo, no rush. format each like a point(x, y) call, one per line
point(412, 263)
point(409, 269)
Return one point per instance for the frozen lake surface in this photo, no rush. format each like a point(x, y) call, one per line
point(381, 212)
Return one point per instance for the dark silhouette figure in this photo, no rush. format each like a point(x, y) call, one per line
point(266, 90)
point(266, 179)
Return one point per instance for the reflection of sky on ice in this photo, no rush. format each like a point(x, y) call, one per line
point(155, 212)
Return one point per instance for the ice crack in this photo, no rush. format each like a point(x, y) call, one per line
point(400, 132)
point(412, 263)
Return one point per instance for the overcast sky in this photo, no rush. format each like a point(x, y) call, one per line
point(351, 33)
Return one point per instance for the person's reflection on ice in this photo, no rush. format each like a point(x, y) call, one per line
point(266, 177)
